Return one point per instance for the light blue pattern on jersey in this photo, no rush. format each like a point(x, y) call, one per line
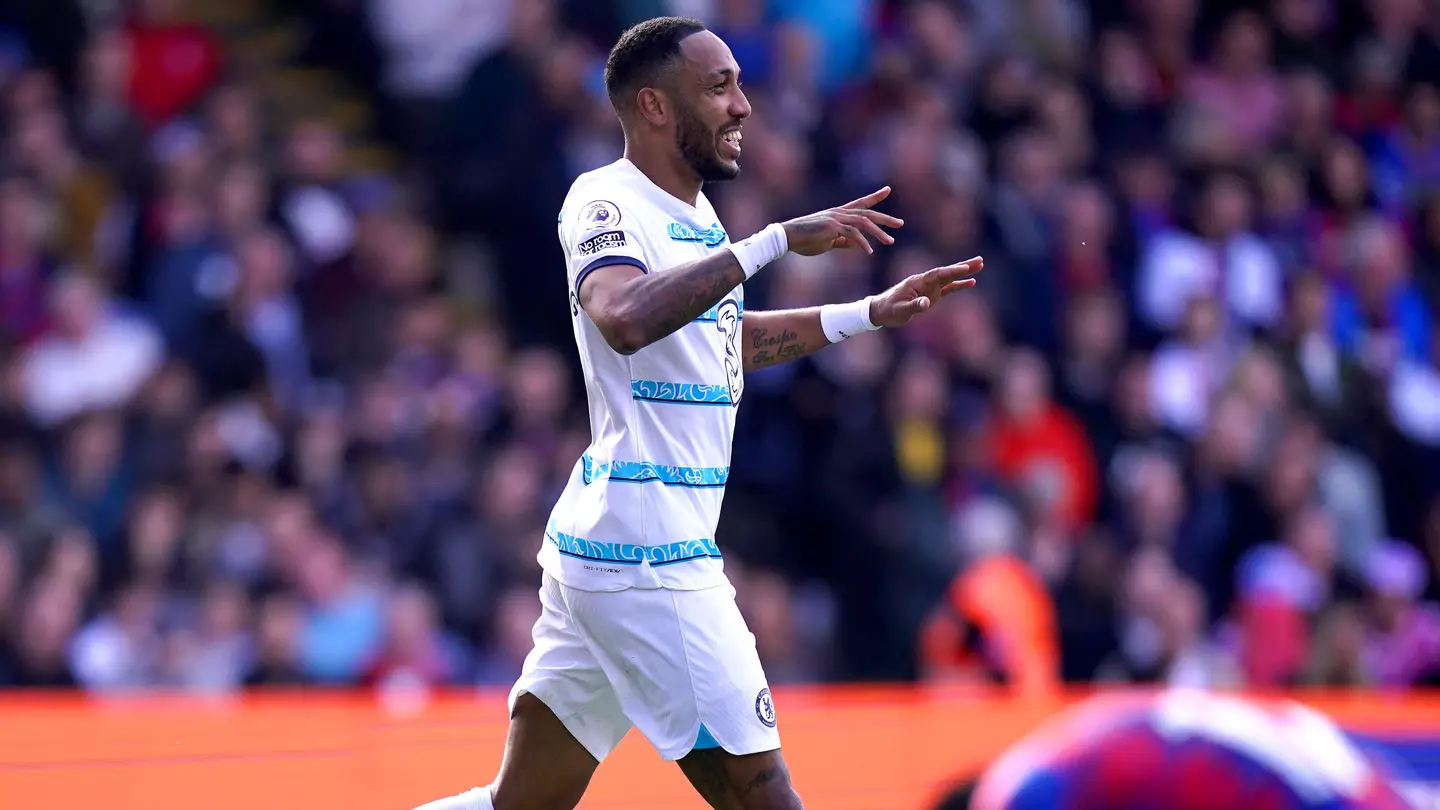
point(713, 313)
point(680, 393)
point(644, 472)
point(631, 554)
point(713, 236)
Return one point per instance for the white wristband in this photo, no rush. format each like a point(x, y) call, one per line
point(761, 249)
point(840, 321)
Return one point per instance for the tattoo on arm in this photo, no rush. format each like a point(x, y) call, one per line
point(779, 336)
point(765, 347)
point(660, 303)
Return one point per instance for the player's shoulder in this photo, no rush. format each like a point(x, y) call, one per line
point(605, 198)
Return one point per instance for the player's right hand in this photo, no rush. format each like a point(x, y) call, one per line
point(848, 226)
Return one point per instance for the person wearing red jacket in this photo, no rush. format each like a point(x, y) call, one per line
point(175, 62)
point(1040, 448)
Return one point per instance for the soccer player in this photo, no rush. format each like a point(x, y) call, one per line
point(1186, 750)
point(639, 623)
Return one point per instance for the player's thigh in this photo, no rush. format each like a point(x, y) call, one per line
point(740, 781)
point(684, 667)
point(564, 716)
point(545, 767)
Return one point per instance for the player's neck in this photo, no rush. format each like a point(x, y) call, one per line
point(670, 175)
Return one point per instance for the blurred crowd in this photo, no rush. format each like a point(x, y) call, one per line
point(270, 418)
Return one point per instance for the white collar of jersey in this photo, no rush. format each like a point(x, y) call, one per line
point(689, 214)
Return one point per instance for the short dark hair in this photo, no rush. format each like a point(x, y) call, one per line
point(642, 53)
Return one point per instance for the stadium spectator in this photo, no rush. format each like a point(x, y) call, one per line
point(415, 653)
point(82, 192)
point(1221, 258)
point(175, 62)
point(1338, 659)
point(1040, 448)
point(26, 262)
point(344, 624)
point(277, 659)
point(1237, 87)
point(278, 407)
point(998, 623)
point(1404, 646)
point(428, 51)
point(107, 128)
point(93, 357)
point(121, 648)
point(214, 655)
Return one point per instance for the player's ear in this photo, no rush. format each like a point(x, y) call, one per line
point(654, 107)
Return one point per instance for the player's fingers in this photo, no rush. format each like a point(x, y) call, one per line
point(956, 286)
point(951, 272)
point(870, 200)
point(868, 226)
point(854, 238)
point(840, 243)
point(882, 218)
point(916, 305)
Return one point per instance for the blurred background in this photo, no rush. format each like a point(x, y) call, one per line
point(288, 387)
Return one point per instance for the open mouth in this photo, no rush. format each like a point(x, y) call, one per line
point(730, 143)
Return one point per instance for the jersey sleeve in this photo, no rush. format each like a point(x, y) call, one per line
point(600, 233)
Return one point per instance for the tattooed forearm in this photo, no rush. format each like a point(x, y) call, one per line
point(779, 337)
point(655, 305)
point(765, 348)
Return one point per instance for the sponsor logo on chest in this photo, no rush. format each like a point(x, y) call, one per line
point(713, 236)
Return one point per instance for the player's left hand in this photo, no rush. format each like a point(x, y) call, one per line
point(916, 294)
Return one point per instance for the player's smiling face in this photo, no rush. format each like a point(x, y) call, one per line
point(710, 108)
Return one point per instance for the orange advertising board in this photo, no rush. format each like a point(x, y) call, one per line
point(848, 748)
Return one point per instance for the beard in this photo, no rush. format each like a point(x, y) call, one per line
point(699, 148)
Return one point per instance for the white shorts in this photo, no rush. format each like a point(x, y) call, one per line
point(681, 666)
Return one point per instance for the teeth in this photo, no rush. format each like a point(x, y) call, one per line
point(732, 137)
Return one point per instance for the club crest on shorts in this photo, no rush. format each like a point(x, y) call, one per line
point(765, 707)
point(600, 214)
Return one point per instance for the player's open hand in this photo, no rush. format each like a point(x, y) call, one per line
point(916, 294)
point(851, 225)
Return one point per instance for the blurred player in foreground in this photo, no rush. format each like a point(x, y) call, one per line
point(1184, 750)
point(639, 624)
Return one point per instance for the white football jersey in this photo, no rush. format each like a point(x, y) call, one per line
point(641, 505)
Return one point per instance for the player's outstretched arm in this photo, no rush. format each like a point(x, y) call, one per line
point(633, 309)
point(774, 337)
